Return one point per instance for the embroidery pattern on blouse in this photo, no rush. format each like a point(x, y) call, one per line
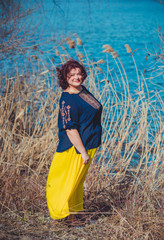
point(89, 99)
point(65, 113)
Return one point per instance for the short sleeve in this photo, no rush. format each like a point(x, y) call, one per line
point(69, 114)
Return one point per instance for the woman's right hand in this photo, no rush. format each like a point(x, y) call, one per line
point(75, 139)
point(85, 157)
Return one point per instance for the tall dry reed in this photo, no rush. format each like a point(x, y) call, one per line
point(123, 189)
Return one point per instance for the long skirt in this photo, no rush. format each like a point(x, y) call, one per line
point(64, 190)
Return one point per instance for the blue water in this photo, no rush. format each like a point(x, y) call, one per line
point(99, 22)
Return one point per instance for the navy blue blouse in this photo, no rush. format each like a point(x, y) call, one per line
point(81, 111)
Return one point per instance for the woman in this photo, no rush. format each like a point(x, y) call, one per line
point(80, 130)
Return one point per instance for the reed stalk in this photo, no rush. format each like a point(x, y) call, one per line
point(123, 189)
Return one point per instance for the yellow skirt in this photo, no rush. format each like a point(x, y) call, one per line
point(64, 190)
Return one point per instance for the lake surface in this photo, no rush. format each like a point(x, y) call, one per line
point(99, 22)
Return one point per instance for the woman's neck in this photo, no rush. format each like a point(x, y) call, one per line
point(74, 89)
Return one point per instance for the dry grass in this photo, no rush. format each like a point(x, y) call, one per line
point(123, 190)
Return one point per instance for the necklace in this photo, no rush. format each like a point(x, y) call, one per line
point(74, 92)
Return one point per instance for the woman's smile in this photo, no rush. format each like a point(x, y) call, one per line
point(75, 77)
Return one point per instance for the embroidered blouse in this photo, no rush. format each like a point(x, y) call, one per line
point(81, 111)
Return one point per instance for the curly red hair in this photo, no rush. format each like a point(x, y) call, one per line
point(64, 70)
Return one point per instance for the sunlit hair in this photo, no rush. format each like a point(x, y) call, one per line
point(65, 69)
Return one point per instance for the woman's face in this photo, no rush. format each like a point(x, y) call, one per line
point(74, 77)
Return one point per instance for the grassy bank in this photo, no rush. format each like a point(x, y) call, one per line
point(123, 191)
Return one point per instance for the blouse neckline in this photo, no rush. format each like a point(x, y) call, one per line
point(76, 93)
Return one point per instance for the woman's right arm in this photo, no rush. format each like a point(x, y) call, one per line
point(75, 139)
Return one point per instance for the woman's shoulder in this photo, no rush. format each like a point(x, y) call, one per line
point(69, 99)
point(88, 97)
